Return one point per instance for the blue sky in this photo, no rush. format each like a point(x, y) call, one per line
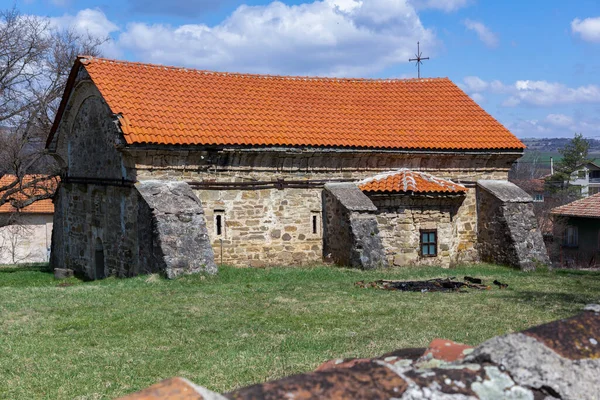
point(534, 65)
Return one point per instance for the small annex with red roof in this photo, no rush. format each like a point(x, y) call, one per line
point(257, 151)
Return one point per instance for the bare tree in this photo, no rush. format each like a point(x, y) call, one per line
point(13, 242)
point(531, 168)
point(35, 61)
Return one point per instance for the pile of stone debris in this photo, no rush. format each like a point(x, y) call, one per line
point(450, 284)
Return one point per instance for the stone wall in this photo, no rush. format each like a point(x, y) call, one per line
point(508, 230)
point(179, 243)
point(351, 235)
point(264, 227)
point(256, 220)
point(95, 230)
point(95, 225)
point(401, 219)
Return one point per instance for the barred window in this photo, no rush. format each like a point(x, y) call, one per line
point(429, 243)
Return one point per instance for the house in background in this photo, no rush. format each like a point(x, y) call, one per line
point(577, 233)
point(25, 234)
point(534, 187)
point(587, 178)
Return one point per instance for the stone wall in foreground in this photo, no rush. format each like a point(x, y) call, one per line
point(558, 360)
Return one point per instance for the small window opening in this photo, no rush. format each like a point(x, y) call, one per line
point(429, 243)
point(571, 236)
point(99, 272)
point(314, 224)
point(219, 224)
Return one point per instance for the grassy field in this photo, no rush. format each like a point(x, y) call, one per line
point(102, 339)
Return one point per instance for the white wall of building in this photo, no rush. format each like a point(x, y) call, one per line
point(27, 241)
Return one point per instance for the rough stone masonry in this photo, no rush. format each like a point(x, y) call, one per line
point(558, 360)
point(264, 203)
point(508, 231)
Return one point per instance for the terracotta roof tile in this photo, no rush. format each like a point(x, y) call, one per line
point(167, 105)
point(44, 206)
point(588, 207)
point(405, 180)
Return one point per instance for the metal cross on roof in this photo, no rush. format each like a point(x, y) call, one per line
point(418, 59)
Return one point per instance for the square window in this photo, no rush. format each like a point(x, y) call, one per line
point(429, 243)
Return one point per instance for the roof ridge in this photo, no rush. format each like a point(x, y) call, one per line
point(85, 60)
point(409, 181)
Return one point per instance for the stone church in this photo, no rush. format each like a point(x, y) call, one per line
point(176, 170)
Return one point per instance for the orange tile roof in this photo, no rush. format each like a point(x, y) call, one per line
point(182, 106)
point(44, 206)
point(588, 207)
point(405, 180)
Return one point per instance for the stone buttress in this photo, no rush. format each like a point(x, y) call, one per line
point(507, 228)
point(179, 240)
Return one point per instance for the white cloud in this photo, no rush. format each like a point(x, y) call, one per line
point(478, 97)
point(498, 87)
point(510, 102)
point(488, 37)
point(543, 93)
point(538, 93)
point(589, 29)
point(475, 84)
point(529, 128)
point(330, 37)
point(559, 120)
point(444, 5)
point(92, 21)
point(555, 125)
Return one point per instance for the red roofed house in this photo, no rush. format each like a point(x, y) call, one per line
point(25, 233)
point(249, 156)
point(577, 233)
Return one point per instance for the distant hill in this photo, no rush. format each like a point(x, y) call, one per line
point(552, 145)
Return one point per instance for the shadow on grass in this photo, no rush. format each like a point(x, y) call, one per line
point(546, 300)
point(35, 267)
point(577, 272)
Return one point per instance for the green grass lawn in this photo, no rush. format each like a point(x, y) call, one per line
point(102, 339)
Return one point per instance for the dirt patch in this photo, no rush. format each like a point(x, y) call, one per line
point(431, 285)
